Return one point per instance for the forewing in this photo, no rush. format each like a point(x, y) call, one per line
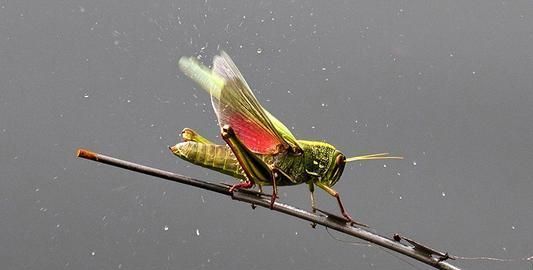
point(237, 106)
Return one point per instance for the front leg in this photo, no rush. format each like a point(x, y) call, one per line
point(336, 194)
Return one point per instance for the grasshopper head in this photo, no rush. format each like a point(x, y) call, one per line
point(336, 168)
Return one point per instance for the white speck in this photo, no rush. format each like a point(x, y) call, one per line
point(82, 9)
point(259, 50)
point(324, 68)
point(443, 194)
point(296, 233)
point(58, 225)
point(324, 105)
point(513, 227)
point(504, 248)
point(414, 163)
point(128, 101)
point(313, 127)
point(93, 253)
point(473, 73)
point(165, 228)
point(398, 173)
point(86, 95)
point(37, 189)
point(197, 232)
point(451, 54)
point(401, 197)
point(384, 165)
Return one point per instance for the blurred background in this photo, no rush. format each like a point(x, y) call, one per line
point(448, 85)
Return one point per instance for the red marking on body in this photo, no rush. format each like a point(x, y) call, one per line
point(253, 136)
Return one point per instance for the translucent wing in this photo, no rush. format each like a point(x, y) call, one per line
point(235, 105)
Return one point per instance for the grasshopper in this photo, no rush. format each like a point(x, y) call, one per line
point(259, 149)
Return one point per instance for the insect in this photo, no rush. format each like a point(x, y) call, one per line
point(259, 149)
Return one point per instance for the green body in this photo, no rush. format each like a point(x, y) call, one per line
point(314, 164)
point(259, 149)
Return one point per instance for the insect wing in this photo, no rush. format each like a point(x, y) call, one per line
point(237, 106)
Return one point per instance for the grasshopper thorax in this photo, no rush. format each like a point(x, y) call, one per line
point(324, 163)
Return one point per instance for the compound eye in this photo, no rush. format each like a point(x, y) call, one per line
point(341, 159)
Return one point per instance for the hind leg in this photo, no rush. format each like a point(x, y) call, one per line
point(255, 169)
point(188, 134)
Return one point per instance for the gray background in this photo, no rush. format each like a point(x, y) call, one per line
point(446, 84)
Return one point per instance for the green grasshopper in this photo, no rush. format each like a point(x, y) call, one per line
point(259, 149)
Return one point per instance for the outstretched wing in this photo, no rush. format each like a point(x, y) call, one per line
point(236, 105)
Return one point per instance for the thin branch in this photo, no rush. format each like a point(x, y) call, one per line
point(398, 243)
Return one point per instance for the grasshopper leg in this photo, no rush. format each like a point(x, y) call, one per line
point(336, 194)
point(188, 134)
point(275, 177)
point(255, 169)
point(242, 185)
point(313, 200)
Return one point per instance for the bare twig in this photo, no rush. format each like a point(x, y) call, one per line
point(408, 247)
